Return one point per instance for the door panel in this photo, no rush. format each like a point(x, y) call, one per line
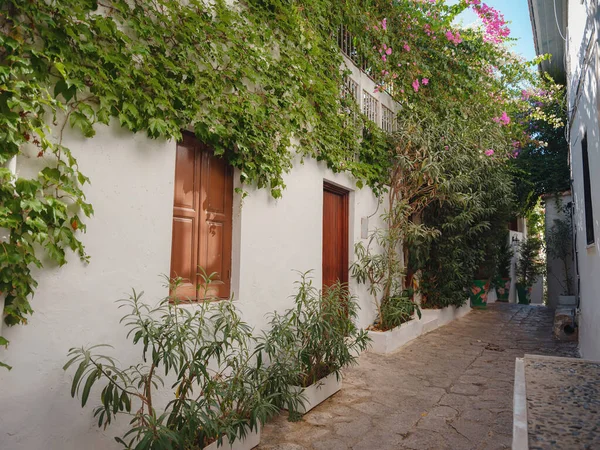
point(184, 242)
point(335, 235)
point(216, 216)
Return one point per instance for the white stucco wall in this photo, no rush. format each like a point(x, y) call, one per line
point(279, 237)
point(129, 241)
point(583, 71)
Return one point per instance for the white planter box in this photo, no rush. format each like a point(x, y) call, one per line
point(384, 342)
point(251, 440)
point(318, 392)
point(462, 311)
point(431, 319)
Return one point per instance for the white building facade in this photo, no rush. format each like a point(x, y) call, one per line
point(568, 29)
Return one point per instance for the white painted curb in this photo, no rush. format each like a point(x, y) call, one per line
point(520, 436)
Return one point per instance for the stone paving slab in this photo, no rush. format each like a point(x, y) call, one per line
point(449, 389)
point(563, 403)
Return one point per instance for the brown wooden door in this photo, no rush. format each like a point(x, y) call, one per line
point(335, 235)
point(202, 220)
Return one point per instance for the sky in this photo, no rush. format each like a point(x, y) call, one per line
point(516, 12)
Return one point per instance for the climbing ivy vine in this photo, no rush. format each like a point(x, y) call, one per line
point(259, 81)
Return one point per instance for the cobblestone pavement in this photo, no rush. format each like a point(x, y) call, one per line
point(449, 389)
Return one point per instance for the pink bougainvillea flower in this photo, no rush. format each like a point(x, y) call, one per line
point(415, 85)
point(503, 119)
point(383, 58)
point(384, 24)
point(407, 47)
point(453, 37)
point(389, 51)
point(425, 81)
point(496, 29)
point(489, 152)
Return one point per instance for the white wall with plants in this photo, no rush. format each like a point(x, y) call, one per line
point(129, 236)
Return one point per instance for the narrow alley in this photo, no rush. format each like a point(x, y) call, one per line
point(449, 389)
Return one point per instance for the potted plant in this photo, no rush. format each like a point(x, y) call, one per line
point(309, 344)
point(503, 266)
point(559, 246)
point(219, 387)
point(529, 267)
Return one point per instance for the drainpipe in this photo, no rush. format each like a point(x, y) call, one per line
point(11, 165)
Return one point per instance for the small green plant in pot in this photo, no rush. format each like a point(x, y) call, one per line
point(218, 388)
point(502, 280)
point(309, 344)
point(530, 266)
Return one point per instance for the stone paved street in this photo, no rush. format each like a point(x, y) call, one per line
point(449, 389)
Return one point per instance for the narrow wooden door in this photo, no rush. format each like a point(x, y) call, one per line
point(335, 235)
point(202, 221)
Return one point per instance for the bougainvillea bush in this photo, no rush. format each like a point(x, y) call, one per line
point(463, 119)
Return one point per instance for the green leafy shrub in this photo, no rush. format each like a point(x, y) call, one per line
point(205, 354)
point(315, 338)
point(380, 263)
point(530, 264)
point(504, 260)
point(396, 310)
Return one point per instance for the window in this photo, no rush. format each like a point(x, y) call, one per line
point(202, 220)
point(587, 193)
point(370, 107)
point(388, 120)
point(349, 93)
